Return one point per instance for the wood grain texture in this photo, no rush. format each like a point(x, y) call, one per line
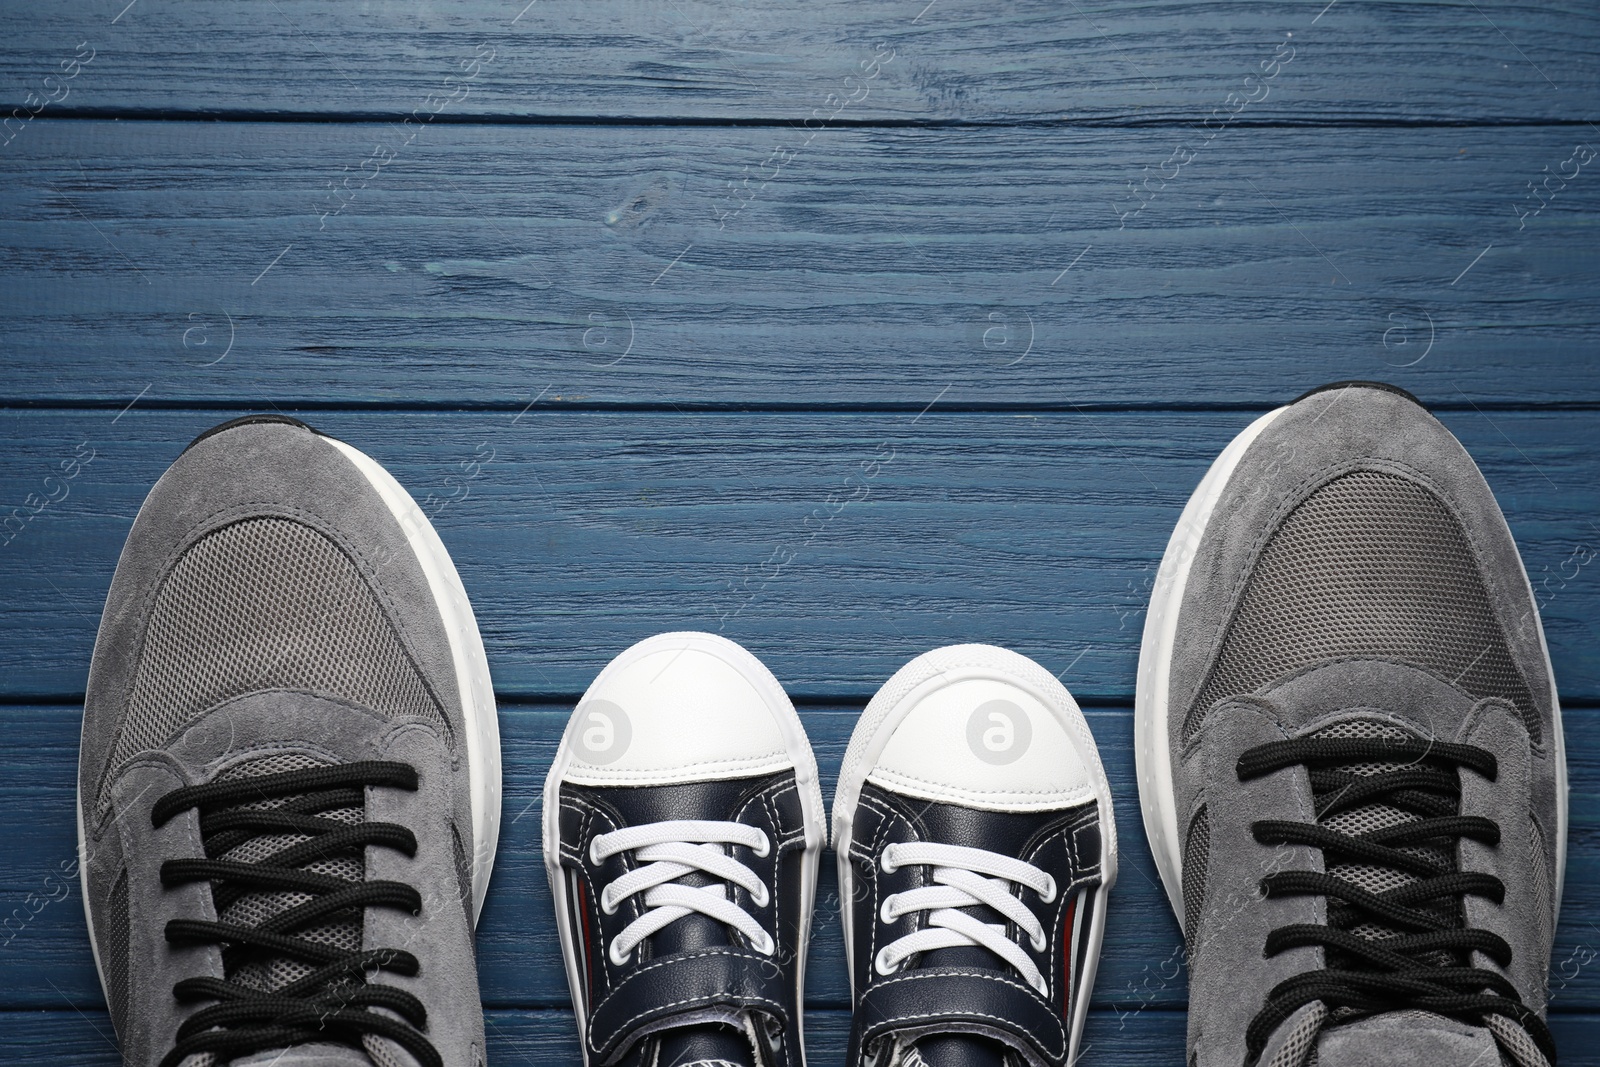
point(592, 265)
point(548, 1037)
point(1001, 280)
point(953, 60)
point(836, 546)
point(47, 962)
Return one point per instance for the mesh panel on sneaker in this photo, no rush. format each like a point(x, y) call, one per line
point(1299, 1048)
point(381, 1052)
point(1370, 564)
point(1196, 858)
point(1370, 817)
point(1515, 1044)
point(117, 959)
point(265, 603)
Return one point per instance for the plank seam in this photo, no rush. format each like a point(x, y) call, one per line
point(464, 407)
point(1128, 121)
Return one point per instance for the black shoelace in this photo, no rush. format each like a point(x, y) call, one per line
point(331, 1003)
point(1425, 966)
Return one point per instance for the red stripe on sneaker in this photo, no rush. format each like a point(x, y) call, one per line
point(1069, 943)
point(588, 945)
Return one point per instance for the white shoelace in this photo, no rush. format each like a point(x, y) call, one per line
point(958, 872)
point(667, 851)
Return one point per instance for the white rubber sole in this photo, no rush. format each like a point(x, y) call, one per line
point(83, 891)
point(481, 720)
point(1559, 747)
point(806, 779)
point(472, 683)
point(914, 682)
point(1152, 751)
point(1152, 755)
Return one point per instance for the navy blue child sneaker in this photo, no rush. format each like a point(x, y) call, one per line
point(976, 849)
point(683, 825)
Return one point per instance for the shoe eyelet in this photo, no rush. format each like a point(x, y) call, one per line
point(884, 914)
point(616, 960)
point(594, 853)
point(1038, 943)
point(879, 964)
point(1044, 989)
point(887, 865)
point(761, 898)
point(608, 905)
point(765, 848)
point(1050, 887)
point(766, 946)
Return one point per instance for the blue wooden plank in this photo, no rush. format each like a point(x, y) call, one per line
point(595, 265)
point(540, 1038)
point(47, 963)
point(954, 60)
point(548, 1038)
point(837, 546)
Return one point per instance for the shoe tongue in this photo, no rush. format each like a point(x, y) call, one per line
point(664, 803)
point(1004, 833)
point(343, 931)
point(692, 931)
point(1311, 1036)
point(1378, 815)
point(709, 1045)
point(1000, 833)
point(960, 1050)
point(699, 1044)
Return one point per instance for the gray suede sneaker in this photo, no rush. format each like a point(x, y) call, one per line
point(289, 779)
point(1349, 748)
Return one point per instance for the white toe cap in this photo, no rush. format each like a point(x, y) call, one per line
point(676, 708)
point(980, 737)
